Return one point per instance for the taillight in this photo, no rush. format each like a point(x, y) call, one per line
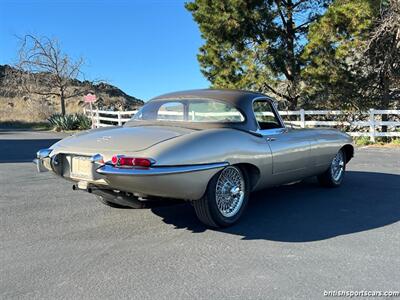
point(143, 162)
point(125, 161)
point(114, 160)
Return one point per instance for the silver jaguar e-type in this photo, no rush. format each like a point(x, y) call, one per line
point(210, 147)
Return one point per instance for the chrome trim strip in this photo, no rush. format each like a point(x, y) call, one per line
point(272, 131)
point(111, 170)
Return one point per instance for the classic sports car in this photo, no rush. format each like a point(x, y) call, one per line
point(210, 147)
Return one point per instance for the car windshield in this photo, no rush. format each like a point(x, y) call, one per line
point(189, 110)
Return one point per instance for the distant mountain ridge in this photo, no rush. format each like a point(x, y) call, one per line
point(16, 104)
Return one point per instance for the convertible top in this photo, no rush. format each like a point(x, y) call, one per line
point(242, 100)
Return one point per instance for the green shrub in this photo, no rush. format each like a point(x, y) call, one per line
point(83, 122)
point(60, 122)
point(69, 122)
point(396, 141)
point(362, 141)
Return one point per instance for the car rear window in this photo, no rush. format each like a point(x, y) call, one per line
point(189, 110)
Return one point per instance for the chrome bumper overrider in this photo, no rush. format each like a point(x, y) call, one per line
point(111, 170)
point(42, 159)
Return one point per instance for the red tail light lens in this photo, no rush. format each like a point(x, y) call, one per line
point(114, 160)
point(143, 162)
point(125, 161)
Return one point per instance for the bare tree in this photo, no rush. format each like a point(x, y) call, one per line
point(46, 70)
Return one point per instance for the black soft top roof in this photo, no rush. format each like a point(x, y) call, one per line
point(235, 97)
point(242, 100)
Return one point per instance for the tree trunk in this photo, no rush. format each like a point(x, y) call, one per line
point(292, 72)
point(290, 36)
point(62, 101)
point(293, 103)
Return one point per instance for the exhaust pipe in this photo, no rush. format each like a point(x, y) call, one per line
point(123, 199)
point(111, 196)
point(82, 186)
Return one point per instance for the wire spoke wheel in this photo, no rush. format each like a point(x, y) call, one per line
point(229, 191)
point(337, 166)
point(225, 199)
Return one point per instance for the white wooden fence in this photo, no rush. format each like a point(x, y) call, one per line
point(370, 126)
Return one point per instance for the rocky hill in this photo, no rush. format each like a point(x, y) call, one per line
point(18, 105)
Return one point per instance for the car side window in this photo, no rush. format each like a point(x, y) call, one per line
point(266, 115)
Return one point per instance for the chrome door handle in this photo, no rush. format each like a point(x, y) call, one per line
point(270, 139)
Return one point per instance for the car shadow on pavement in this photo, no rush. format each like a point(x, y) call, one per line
point(306, 212)
point(16, 151)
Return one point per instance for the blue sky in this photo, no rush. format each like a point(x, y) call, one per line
point(145, 47)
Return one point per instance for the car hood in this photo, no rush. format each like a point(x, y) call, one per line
point(127, 139)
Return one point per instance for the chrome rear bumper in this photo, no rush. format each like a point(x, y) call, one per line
point(187, 182)
point(164, 170)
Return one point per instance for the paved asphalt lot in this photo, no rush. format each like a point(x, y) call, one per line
point(293, 243)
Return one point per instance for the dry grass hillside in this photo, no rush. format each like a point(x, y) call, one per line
point(17, 105)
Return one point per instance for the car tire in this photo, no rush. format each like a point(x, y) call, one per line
point(233, 182)
point(333, 177)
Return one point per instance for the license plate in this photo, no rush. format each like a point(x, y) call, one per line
point(81, 167)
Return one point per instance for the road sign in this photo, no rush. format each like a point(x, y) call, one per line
point(90, 98)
